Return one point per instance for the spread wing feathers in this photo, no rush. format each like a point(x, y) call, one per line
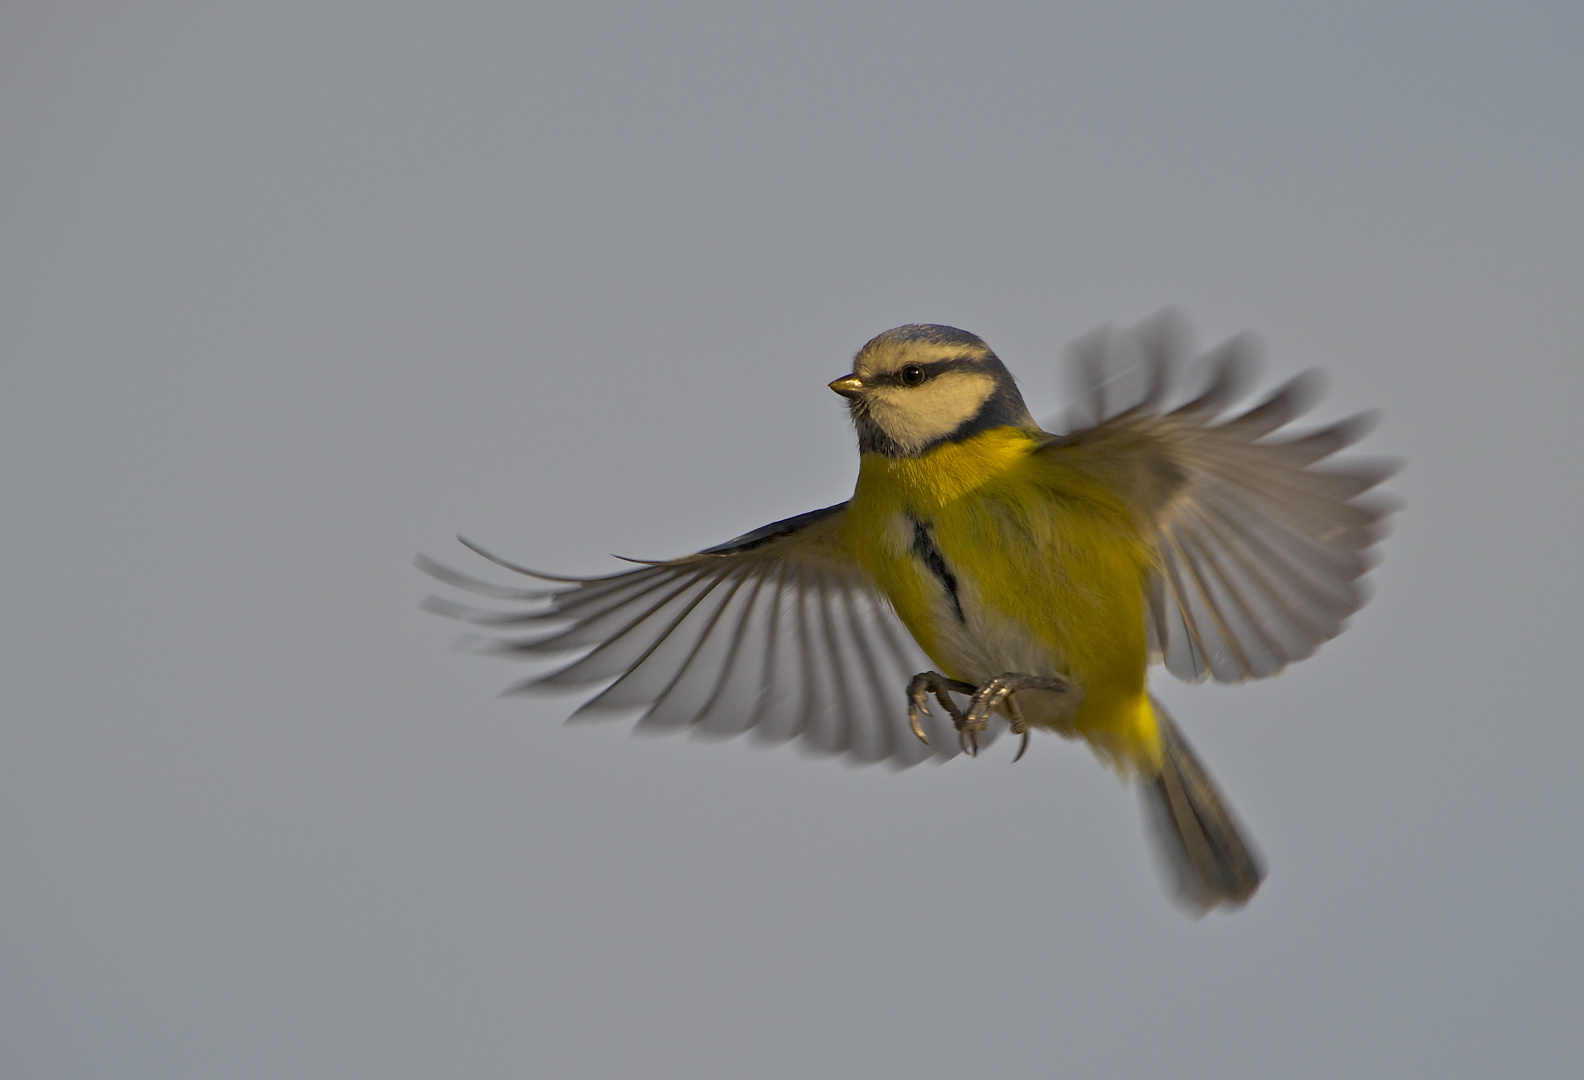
point(1261, 548)
point(778, 632)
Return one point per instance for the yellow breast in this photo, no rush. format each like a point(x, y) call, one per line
point(1048, 566)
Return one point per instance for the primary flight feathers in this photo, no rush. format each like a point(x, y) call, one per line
point(779, 633)
point(1260, 550)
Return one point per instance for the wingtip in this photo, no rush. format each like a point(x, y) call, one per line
point(517, 568)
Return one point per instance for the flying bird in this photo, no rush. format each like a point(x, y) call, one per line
point(988, 576)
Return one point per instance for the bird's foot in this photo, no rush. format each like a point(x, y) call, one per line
point(993, 693)
point(923, 685)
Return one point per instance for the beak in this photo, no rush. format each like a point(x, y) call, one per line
point(848, 386)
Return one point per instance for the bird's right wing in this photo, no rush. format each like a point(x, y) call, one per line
point(779, 632)
point(1260, 541)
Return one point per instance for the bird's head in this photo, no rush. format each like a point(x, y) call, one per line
point(920, 385)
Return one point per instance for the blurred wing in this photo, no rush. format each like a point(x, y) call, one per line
point(1260, 547)
point(779, 632)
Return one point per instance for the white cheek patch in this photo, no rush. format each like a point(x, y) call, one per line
point(916, 416)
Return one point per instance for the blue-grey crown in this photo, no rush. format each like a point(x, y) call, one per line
point(933, 333)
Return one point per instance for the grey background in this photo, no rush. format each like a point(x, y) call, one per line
point(296, 290)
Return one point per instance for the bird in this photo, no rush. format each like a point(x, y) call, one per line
point(1037, 575)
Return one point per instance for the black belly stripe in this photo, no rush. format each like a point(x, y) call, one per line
point(924, 547)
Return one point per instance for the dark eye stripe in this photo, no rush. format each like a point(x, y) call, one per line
point(930, 369)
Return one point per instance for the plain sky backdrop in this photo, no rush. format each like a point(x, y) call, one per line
point(294, 291)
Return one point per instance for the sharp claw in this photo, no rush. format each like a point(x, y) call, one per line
point(917, 728)
point(1019, 727)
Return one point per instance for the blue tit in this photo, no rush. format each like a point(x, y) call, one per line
point(1035, 576)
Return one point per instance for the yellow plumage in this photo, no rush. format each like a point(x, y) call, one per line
point(1036, 543)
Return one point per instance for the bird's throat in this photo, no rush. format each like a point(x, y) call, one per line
point(947, 472)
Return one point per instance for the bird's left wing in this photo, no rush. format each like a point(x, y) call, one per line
point(779, 632)
point(1261, 538)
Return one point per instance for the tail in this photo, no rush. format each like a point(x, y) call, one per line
point(1211, 862)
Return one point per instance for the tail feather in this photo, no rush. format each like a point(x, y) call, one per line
point(1211, 862)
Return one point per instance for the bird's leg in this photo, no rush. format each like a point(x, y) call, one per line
point(997, 690)
point(923, 685)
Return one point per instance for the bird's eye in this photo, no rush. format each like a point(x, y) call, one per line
point(912, 375)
